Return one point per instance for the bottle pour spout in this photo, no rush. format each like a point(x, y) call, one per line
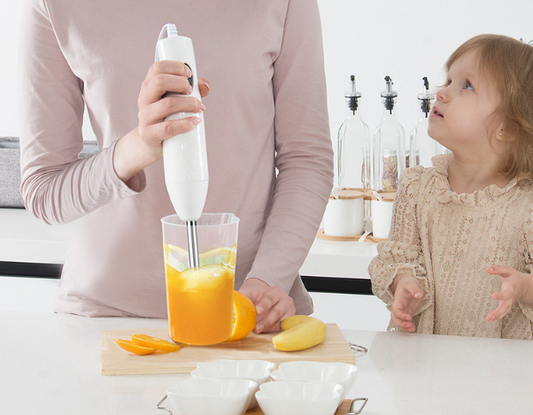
point(352, 96)
point(426, 98)
point(389, 95)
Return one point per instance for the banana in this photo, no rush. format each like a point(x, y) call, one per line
point(293, 321)
point(299, 333)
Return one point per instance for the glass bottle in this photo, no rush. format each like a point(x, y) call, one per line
point(353, 146)
point(389, 156)
point(353, 162)
point(422, 147)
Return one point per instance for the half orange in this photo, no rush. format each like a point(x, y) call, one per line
point(243, 319)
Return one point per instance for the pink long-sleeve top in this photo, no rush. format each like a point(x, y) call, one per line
point(266, 111)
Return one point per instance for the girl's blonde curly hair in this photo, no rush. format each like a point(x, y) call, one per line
point(509, 64)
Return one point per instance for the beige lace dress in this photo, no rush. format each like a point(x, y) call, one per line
point(447, 240)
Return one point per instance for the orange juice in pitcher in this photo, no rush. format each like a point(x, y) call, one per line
point(200, 299)
point(200, 302)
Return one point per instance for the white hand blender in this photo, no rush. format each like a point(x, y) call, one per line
point(185, 156)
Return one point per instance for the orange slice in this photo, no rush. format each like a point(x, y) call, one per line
point(131, 347)
point(223, 255)
point(243, 319)
point(154, 343)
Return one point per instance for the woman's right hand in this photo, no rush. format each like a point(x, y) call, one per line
point(408, 294)
point(143, 146)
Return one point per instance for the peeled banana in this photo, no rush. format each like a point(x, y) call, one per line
point(299, 333)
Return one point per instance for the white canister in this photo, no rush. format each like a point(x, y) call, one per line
point(345, 214)
point(368, 197)
point(382, 215)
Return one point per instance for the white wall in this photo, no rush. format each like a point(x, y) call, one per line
point(9, 15)
point(405, 39)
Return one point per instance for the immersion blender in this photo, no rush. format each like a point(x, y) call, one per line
point(185, 155)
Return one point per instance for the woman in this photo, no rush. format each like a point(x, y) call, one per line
point(266, 111)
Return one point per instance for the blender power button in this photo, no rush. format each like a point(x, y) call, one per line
point(191, 80)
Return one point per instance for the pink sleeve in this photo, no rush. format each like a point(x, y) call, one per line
point(56, 186)
point(303, 147)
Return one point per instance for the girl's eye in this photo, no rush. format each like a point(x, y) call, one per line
point(468, 86)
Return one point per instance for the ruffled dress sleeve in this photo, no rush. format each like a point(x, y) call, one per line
point(528, 256)
point(403, 249)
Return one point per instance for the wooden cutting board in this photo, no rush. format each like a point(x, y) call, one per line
point(115, 361)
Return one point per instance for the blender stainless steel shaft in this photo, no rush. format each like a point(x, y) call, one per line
point(192, 244)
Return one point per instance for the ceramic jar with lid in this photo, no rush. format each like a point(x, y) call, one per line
point(345, 213)
point(382, 214)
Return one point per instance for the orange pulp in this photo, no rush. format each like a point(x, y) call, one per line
point(200, 303)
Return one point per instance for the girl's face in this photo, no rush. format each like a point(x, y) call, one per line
point(460, 118)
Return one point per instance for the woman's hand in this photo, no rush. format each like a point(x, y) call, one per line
point(408, 293)
point(271, 304)
point(515, 287)
point(143, 146)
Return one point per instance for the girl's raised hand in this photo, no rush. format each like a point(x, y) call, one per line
point(408, 294)
point(514, 287)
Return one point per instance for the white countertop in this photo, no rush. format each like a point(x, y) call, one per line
point(50, 365)
point(23, 238)
point(339, 259)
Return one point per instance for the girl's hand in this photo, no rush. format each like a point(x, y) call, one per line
point(408, 293)
point(143, 146)
point(271, 304)
point(514, 288)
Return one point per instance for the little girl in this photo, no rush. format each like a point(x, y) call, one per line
point(459, 255)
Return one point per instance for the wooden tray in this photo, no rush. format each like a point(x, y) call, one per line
point(115, 361)
point(343, 409)
point(370, 238)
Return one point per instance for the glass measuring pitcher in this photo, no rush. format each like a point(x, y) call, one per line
point(200, 300)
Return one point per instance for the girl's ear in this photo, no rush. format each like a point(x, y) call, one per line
point(503, 137)
point(503, 134)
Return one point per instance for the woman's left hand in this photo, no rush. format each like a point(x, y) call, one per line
point(514, 287)
point(271, 304)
